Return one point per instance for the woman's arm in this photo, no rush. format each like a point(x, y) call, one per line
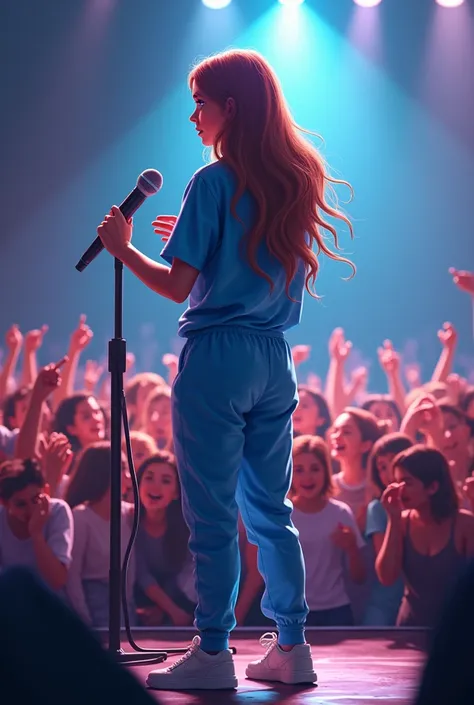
point(339, 350)
point(173, 283)
point(33, 341)
point(449, 338)
point(388, 564)
point(389, 561)
point(14, 341)
point(390, 362)
point(80, 339)
point(46, 382)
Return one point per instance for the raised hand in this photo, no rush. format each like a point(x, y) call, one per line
point(300, 353)
point(34, 338)
point(92, 374)
point(388, 357)
point(129, 361)
point(339, 347)
point(413, 375)
point(48, 379)
point(463, 280)
point(448, 336)
point(13, 338)
point(163, 226)
point(391, 500)
point(81, 337)
point(39, 516)
point(424, 415)
point(344, 538)
point(170, 361)
point(56, 456)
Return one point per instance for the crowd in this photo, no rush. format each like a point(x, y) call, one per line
point(382, 491)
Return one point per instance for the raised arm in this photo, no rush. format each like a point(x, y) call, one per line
point(448, 338)
point(80, 339)
point(339, 350)
point(13, 341)
point(358, 385)
point(46, 382)
point(171, 362)
point(390, 362)
point(463, 280)
point(424, 416)
point(33, 341)
point(388, 564)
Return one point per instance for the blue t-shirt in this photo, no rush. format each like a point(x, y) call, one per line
point(384, 601)
point(227, 291)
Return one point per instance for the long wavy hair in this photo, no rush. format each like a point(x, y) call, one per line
point(282, 170)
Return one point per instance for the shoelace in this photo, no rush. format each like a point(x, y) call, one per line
point(268, 640)
point(192, 649)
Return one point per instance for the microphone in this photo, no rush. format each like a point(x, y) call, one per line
point(148, 183)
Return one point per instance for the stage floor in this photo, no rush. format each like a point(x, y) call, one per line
point(353, 668)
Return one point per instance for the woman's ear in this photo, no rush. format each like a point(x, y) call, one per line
point(230, 108)
point(433, 488)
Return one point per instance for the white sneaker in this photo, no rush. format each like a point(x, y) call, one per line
point(196, 670)
point(295, 666)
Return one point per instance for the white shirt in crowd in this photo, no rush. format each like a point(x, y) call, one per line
point(325, 585)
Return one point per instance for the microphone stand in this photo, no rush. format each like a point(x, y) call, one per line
point(117, 367)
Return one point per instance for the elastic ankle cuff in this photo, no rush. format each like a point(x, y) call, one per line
point(217, 641)
point(291, 635)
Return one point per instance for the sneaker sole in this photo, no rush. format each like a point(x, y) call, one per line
point(297, 678)
point(165, 683)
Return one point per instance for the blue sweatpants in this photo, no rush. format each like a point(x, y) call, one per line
point(233, 399)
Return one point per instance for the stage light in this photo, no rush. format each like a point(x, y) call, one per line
point(216, 4)
point(367, 3)
point(450, 3)
point(291, 3)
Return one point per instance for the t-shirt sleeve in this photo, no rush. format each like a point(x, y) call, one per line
point(376, 519)
point(348, 519)
point(60, 533)
point(196, 233)
point(7, 443)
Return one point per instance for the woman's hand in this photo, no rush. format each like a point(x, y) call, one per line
point(389, 359)
point(163, 225)
point(391, 500)
point(300, 353)
point(39, 516)
point(116, 232)
point(56, 456)
point(463, 280)
point(344, 538)
point(339, 347)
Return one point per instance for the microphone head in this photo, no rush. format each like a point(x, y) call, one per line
point(149, 182)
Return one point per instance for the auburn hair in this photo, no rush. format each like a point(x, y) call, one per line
point(271, 159)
